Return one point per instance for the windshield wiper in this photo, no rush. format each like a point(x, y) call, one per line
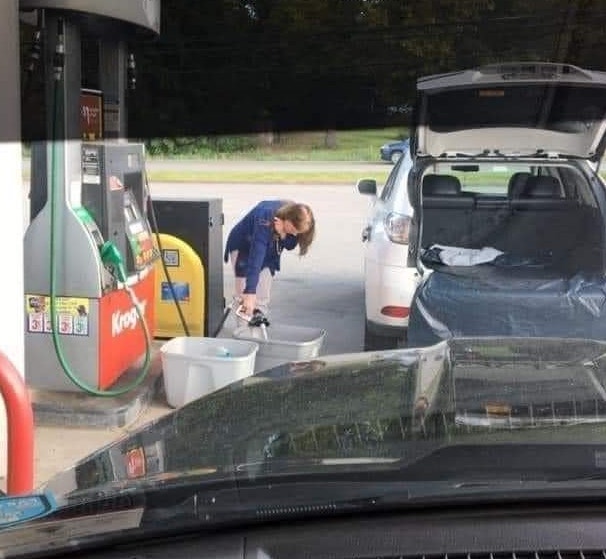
point(448, 475)
point(291, 489)
point(210, 508)
point(182, 509)
point(266, 499)
point(455, 475)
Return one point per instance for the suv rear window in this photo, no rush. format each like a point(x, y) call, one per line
point(558, 108)
point(488, 179)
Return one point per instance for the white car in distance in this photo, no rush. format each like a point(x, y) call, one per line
point(389, 283)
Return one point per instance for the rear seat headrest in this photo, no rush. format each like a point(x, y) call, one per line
point(516, 184)
point(542, 186)
point(441, 185)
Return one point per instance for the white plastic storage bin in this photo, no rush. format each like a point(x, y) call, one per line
point(195, 366)
point(284, 343)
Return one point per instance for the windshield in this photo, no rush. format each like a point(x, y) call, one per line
point(304, 245)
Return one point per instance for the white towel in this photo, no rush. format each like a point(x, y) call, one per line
point(457, 256)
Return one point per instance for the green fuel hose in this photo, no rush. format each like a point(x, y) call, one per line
point(115, 258)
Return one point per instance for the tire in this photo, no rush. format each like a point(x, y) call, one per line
point(374, 342)
point(395, 155)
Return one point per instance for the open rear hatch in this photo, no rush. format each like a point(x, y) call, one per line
point(513, 109)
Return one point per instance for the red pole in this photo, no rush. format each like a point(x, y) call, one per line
point(20, 420)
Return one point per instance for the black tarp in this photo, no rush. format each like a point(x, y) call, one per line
point(493, 300)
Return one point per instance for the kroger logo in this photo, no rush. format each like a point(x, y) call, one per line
point(126, 320)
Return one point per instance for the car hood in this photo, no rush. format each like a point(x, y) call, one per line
point(513, 109)
point(360, 410)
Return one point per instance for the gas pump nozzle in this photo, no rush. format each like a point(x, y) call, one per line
point(110, 256)
point(256, 320)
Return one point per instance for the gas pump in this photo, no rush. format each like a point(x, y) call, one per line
point(89, 253)
point(113, 190)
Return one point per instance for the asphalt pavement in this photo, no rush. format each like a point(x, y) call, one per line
point(323, 289)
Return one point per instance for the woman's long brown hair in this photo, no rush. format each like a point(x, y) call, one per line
point(301, 216)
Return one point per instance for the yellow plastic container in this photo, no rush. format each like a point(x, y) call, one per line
point(186, 272)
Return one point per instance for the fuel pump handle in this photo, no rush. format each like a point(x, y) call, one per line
point(256, 319)
point(110, 256)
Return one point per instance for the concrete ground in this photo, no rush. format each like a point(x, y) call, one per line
point(58, 448)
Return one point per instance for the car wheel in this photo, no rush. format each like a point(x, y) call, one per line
point(395, 155)
point(374, 342)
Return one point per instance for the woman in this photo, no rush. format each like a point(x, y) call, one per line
point(255, 244)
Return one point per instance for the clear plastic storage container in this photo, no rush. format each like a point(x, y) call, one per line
point(284, 343)
point(195, 366)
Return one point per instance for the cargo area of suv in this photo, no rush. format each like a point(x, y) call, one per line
point(509, 226)
point(513, 249)
point(548, 219)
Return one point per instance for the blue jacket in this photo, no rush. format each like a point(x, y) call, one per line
point(257, 245)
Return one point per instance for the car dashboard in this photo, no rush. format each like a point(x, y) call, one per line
point(470, 532)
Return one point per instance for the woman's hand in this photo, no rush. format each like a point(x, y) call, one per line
point(249, 301)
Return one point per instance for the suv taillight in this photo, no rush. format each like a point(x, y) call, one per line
point(397, 227)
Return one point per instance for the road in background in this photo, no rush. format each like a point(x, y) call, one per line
point(198, 167)
point(195, 165)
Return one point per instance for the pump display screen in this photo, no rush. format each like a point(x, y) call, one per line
point(136, 227)
point(138, 235)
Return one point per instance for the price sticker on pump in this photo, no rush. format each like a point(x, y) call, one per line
point(36, 322)
point(66, 325)
point(72, 315)
point(81, 326)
